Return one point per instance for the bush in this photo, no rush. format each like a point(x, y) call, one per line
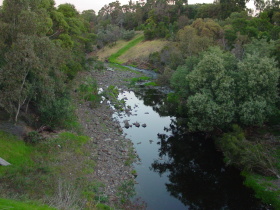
point(245, 154)
point(56, 111)
point(33, 137)
point(98, 65)
point(165, 77)
point(128, 35)
point(89, 91)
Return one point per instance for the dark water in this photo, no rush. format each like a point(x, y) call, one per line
point(179, 170)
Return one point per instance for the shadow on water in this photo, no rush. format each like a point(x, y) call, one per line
point(179, 170)
point(197, 175)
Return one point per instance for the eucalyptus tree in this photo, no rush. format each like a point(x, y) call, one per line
point(30, 68)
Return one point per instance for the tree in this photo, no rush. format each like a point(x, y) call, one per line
point(230, 6)
point(195, 38)
point(211, 100)
point(257, 91)
point(30, 64)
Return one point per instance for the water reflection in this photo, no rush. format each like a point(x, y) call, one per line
point(197, 175)
point(157, 100)
point(183, 171)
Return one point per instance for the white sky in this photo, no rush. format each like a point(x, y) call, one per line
point(98, 4)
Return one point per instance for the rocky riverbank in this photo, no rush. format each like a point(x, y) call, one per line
point(114, 153)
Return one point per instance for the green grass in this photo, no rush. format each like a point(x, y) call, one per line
point(15, 151)
point(264, 189)
point(18, 205)
point(114, 57)
point(151, 84)
point(38, 170)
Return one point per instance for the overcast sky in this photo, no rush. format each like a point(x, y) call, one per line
point(98, 4)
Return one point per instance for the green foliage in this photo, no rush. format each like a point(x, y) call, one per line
point(260, 76)
point(71, 69)
point(218, 91)
point(126, 191)
point(89, 91)
point(211, 102)
point(128, 35)
point(164, 78)
point(98, 65)
point(133, 81)
point(209, 11)
point(101, 206)
point(66, 41)
point(198, 37)
point(68, 10)
point(32, 137)
point(250, 156)
point(56, 111)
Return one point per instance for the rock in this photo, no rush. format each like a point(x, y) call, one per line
point(139, 142)
point(144, 125)
point(126, 124)
point(146, 113)
point(4, 162)
point(137, 124)
point(151, 141)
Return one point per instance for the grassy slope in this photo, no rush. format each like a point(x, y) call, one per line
point(141, 51)
point(19, 155)
point(38, 170)
point(114, 57)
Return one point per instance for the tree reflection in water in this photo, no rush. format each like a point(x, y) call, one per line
point(197, 175)
point(196, 172)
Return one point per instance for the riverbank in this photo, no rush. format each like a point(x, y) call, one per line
point(84, 169)
point(114, 153)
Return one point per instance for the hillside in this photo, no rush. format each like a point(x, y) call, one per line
point(140, 52)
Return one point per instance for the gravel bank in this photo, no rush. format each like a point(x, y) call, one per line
point(114, 151)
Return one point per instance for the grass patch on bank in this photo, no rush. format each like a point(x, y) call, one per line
point(56, 170)
point(114, 57)
point(12, 204)
point(15, 151)
point(264, 187)
point(119, 67)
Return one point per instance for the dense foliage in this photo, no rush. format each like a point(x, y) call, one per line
point(42, 48)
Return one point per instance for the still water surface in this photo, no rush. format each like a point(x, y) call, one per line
point(179, 170)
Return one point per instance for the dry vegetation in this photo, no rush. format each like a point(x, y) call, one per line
point(108, 50)
point(139, 52)
point(143, 50)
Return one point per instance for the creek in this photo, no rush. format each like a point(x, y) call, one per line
point(178, 170)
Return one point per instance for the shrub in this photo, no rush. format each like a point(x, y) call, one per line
point(128, 35)
point(56, 111)
point(245, 154)
point(89, 91)
point(32, 137)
